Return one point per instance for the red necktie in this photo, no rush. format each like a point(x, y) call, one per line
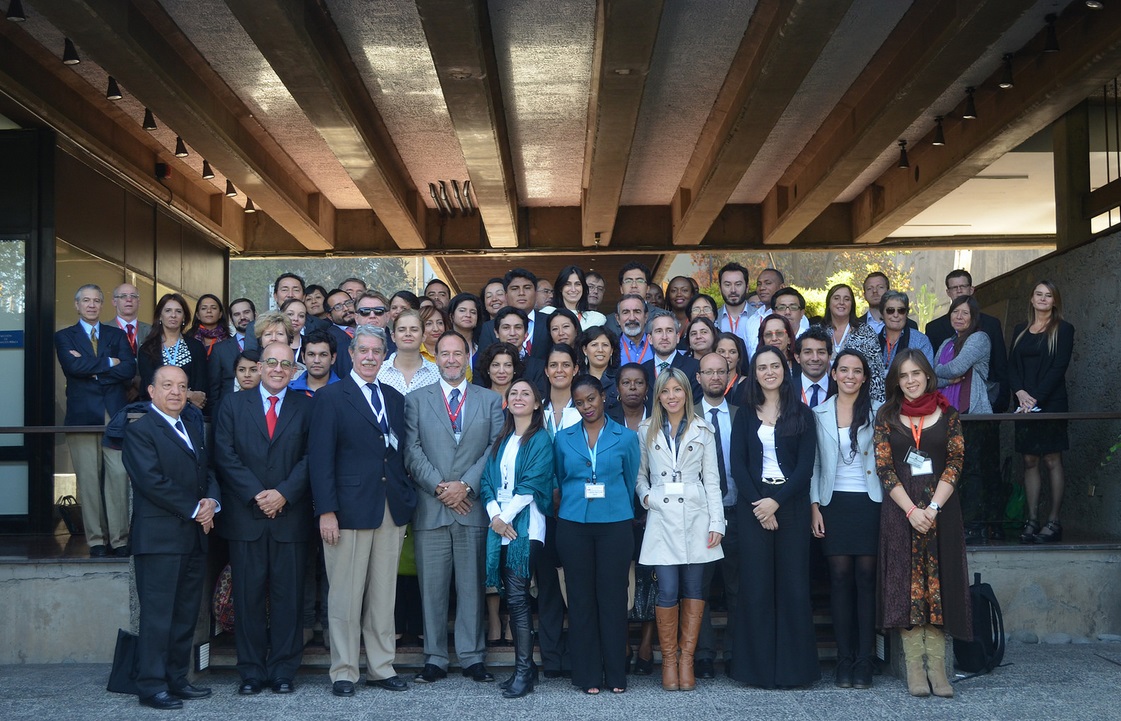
point(131, 337)
point(270, 415)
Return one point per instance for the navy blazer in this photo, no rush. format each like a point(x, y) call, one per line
point(354, 473)
point(247, 462)
point(92, 387)
point(542, 342)
point(168, 481)
point(343, 362)
point(796, 454)
point(617, 460)
point(220, 373)
point(686, 363)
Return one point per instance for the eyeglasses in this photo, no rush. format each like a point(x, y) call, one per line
point(775, 334)
point(895, 311)
point(957, 287)
point(342, 306)
point(787, 308)
point(633, 281)
point(712, 373)
point(379, 311)
point(127, 296)
point(285, 364)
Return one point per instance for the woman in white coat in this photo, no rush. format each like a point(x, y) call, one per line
point(845, 498)
point(679, 485)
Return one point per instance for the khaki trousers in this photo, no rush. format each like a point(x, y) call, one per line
point(104, 505)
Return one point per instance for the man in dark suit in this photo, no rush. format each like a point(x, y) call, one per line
point(663, 330)
point(521, 293)
point(261, 458)
point(340, 305)
point(364, 499)
point(99, 366)
point(175, 499)
point(714, 408)
point(220, 365)
point(449, 428)
point(509, 325)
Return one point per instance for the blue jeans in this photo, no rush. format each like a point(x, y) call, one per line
point(685, 581)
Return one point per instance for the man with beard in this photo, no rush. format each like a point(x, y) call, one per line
point(596, 286)
point(221, 365)
point(634, 345)
point(813, 349)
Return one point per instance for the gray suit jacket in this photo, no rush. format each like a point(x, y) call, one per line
point(829, 447)
point(432, 455)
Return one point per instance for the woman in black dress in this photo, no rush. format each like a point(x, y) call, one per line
point(772, 459)
point(1037, 364)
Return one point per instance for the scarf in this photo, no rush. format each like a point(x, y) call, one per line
point(217, 333)
point(924, 405)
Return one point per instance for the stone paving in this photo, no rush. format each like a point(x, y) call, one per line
point(1041, 681)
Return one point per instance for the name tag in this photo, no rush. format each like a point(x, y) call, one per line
point(458, 436)
point(675, 489)
point(595, 490)
point(920, 463)
point(505, 495)
point(391, 440)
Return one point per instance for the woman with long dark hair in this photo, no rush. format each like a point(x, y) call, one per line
point(564, 327)
point(772, 458)
point(498, 367)
point(1037, 365)
point(166, 345)
point(434, 322)
point(210, 326)
point(465, 311)
point(848, 332)
point(923, 574)
point(775, 330)
point(845, 497)
point(517, 491)
point(494, 298)
point(571, 294)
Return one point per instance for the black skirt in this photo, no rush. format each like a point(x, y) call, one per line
point(852, 525)
point(1038, 438)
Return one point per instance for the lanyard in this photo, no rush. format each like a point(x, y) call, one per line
point(593, 450)
point(453, 416)
point(642, 354)
point(672, 440)
point(728, 388)
point(733, 324)
point(916, 429)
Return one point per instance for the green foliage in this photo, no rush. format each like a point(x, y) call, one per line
point(253, 277)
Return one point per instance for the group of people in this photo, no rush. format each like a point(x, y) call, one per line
point(524, 437)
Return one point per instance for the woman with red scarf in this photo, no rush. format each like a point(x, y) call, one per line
point(923, 573)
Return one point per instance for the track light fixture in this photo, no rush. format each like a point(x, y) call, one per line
point(149, 123)
point(70, 53)
point(903, 162)
point(1051, 41)
point(180, 148)
point(207, 173)
point(113, 92)
point(939, 136)
point(15, 11)
point(1006, 76)
point(1095, 4)
point(970, 106)
point(231, 191)
point(249, 207)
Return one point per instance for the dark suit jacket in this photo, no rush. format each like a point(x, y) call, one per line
point(939, 331)
point(92, 387)
point(247, 462)
point(353, 472)
point(168, 481)
point(343, 362)
point(796, 454)
point(195, 370)
point(542, 342)
point(220, 370)
point(687, 364)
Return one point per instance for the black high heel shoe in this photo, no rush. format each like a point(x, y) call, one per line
point(643, 667)
point(1051, 533)
point(1028, 535)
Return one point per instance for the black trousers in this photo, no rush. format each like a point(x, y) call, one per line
point(169, 587)
point(270, 643)
point(730, 568)
point(550, 602)
point(597, 559)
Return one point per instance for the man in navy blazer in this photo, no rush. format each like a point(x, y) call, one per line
point(175, 499)
point(260, 456)
point(99, 367)
point(363, 499)
point(220, 364)
point(663, 329)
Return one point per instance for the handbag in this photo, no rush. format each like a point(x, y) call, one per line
point(71, 512)
point(122, 677)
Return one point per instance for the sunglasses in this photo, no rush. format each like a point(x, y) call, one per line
point(895, 311)
point(379, 311)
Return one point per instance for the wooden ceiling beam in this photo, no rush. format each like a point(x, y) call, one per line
point(782, 42)
point(1046, 87)
point(140, 45)
point(459, 38)
point(308, 54)
point(934, 44)
point(625, 35)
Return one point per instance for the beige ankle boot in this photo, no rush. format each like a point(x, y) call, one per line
point(913, 651)
point(936, 662)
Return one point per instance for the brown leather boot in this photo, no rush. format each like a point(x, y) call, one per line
point(667, 640)
point(936, 662)
point(913, 652)
point(691, 611)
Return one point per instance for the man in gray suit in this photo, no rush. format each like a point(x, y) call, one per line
point(449, 429)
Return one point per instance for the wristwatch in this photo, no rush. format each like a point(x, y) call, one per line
point(935, 506)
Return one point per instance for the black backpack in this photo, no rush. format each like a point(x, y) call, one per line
point(986, 650)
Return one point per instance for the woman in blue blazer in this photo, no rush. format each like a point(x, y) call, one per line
point(596, 466)
point(772, 456)
point(845, 497)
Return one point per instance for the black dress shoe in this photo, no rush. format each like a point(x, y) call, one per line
point(862, 673)
point(343, 688)
point(190, 692)
point(842, 675)
point(553, 673)
point(122, 552)
point(163, 701)
point(703, 668)
point(283, 685)
point(478, 672)
point(99, 552)
point(393, 683)
point(249, 687)
point(430, 674)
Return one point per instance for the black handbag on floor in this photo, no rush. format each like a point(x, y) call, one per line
point(986, 650)
point(122, 677)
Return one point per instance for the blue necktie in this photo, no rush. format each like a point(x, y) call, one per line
point(379, 412)
point(453, 403)
point(813, 394)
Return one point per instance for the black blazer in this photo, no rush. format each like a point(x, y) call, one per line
point(795, 453)
point(353, 472)
point(220, 374)
point(92, 387)
point(939, 331)
point(1048, 384)
point(542, 341)
point(689, 365)
point(168, 481)
point(196, 369)
point(247, 462)
point(343, 361)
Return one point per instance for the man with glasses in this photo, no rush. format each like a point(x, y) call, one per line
point(221, 365)
point(260, 455)
point(126, 299)
point(354, 287)
point(634, 277)
point(596, 287)
point(714, 408)
point(544, 289)
point(372, 308)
